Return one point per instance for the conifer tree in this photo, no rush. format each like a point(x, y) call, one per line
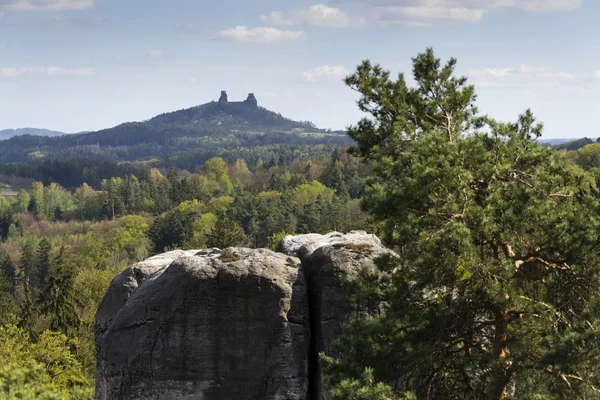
point(8, 310)
point(58, 299)
point(495, 290)
point(28, 313)
point(226, 233)
point(43, 261)
point(28, 266)
point(7, 267)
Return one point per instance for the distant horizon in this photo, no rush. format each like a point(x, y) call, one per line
point(543, 138)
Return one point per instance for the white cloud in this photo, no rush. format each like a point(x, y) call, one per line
point(156, 53)
point(597, 74)
point(524, 75)
point(259, 35)
point(420, 12)
point(313, 75)
point(317, 15)
point(499, 71)
point(545, 73)
point(45, 71)
point(45, 5)
point(415, 14)
point(542, 6)
point(416, 24)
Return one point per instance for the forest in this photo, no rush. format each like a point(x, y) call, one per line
point(208, 130)
point(493, 293)
point(61, 247)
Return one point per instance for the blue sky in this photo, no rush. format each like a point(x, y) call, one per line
point(75, 65)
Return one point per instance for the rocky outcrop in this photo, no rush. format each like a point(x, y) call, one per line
point(214, 325)
point(328, 260)
point(236, 324)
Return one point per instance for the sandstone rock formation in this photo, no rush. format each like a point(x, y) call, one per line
point(327, 260)
point(215, 325)
point(237, 324)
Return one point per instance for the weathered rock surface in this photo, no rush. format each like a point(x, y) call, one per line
point(127, 282)
point(328, 260)
point(304, 244)
point(226, 324)
point(236, 324)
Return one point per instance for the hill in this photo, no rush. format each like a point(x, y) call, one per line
point(9, 133)
point(209, 129)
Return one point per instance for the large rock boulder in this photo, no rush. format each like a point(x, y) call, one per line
point(329, 260)
point(127, 282)
point(210, 325)
point(237, 324)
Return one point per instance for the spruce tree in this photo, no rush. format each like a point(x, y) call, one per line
point(28, 313)
point(8, 309)
point(43, 261)
point(58, 299)
point(28, 266)
point(226, 233)
point(7, 267)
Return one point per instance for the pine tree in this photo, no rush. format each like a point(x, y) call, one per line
point(495, 291)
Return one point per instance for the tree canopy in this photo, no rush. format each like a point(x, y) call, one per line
point(494, 290)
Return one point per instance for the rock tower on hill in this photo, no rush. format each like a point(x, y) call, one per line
point(250, 100)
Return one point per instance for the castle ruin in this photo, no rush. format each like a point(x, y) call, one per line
point(250, 100)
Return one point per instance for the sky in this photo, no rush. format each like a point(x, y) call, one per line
point(81, 65)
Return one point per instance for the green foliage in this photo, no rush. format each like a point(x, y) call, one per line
point(174, 228)
point(29, 266)
point(278, 237)
point(32, 382)
point(23, 200)
point(130, 242)
point(201, 228)
point(362, 387)
point(58, 299)
point(8, 307)
point(208, 130)
point(225, 233)
point(101, 232)
point(574, 144)
point(308, 193)
point(588, 157)
point(495, 291)
point(6, 217)
point(43, 261)
point(50, 357)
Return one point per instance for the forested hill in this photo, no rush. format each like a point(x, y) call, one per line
point(9, 133)
point(209, 128)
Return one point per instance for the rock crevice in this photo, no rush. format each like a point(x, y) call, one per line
point(236, 324)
